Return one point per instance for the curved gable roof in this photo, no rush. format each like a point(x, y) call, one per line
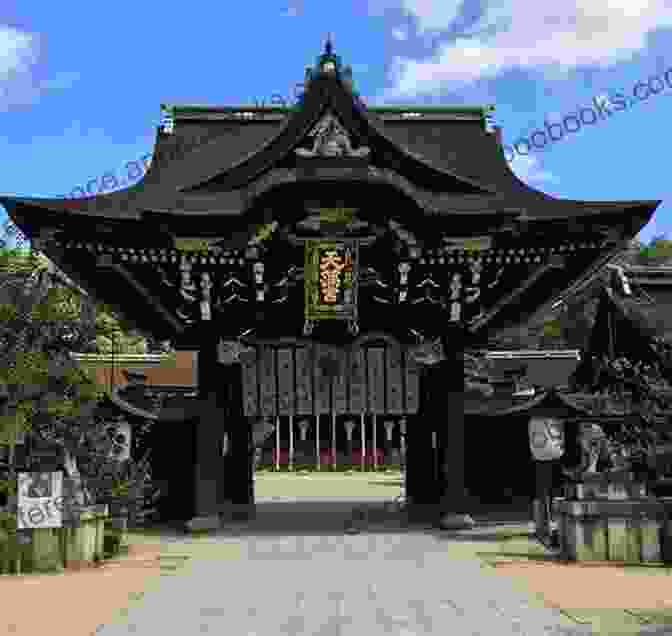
point(208, 165)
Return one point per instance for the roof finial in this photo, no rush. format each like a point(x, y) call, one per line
point(327, 46)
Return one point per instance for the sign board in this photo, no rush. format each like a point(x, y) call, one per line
point(40, 500)
point(331, 269)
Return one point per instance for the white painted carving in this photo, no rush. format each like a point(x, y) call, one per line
point(331, 140)
point(455, 286)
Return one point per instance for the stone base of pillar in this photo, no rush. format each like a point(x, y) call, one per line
point(210, 522)
point(455, 521)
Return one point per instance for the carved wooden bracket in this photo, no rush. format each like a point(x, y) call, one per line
point(428, 353)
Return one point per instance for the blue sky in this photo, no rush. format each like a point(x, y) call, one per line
point(80, 86)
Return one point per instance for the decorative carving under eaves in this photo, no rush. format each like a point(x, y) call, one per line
point(472, 244)
point(187, 286)
point(619, 281)
point(498, 275)
point(233, 351)
point(206, 286)
point(184, 244)
point(164, 277)
point(427, 281)
point(293, 274)
point(232, 280)
point(263, 233)
point(427, 298)
point(184, 317)
point(331, 140)
point(233, 298)
point(427, 352)
point(335, 221)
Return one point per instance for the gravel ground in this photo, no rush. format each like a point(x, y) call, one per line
point(329, 583)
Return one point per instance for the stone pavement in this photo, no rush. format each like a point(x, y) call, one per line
point(295, 573)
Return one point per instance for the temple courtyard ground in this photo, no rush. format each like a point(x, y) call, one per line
point(293, 570)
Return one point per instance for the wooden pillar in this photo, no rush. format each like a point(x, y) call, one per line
point(421, 491)
point(317, 442)
point(374, 426)
point(362, 422)
point(542, 502)
point(333, 440)
point(291, 442)
point(173, 462)
point(208, 463)
point(447, 397)
point(277, 443)
point(239, 465)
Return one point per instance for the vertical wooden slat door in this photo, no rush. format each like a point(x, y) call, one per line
point(357, 382)
point(285, 367)
point(339, 388)
point(376, 384)
point(304, 381)
point(267, 376)
point(412, 377)
point(289, 381)
point(322, 384)
point(250, 385)
point(394, 385)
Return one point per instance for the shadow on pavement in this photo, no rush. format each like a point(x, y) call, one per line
point(333, 517)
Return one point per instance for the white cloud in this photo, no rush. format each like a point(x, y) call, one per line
point(432, 14)
point(528, 170)
point(18, 54)
point(553, 39)
point(16, 51)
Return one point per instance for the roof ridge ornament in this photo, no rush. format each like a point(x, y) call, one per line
point(167, 124)
point(331, 140)
point(329, 62)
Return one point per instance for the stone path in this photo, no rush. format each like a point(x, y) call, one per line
point(267, 582)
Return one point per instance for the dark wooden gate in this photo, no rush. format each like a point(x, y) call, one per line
point(317, 379)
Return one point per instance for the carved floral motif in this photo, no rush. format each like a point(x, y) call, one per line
point(331, 140)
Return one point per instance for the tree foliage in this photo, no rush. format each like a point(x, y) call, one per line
point(657, 252)
point(43, 391)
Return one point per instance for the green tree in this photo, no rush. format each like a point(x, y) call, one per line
point(113, 333)
point(43, 391)
point(657, 252)
point(658, 249)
